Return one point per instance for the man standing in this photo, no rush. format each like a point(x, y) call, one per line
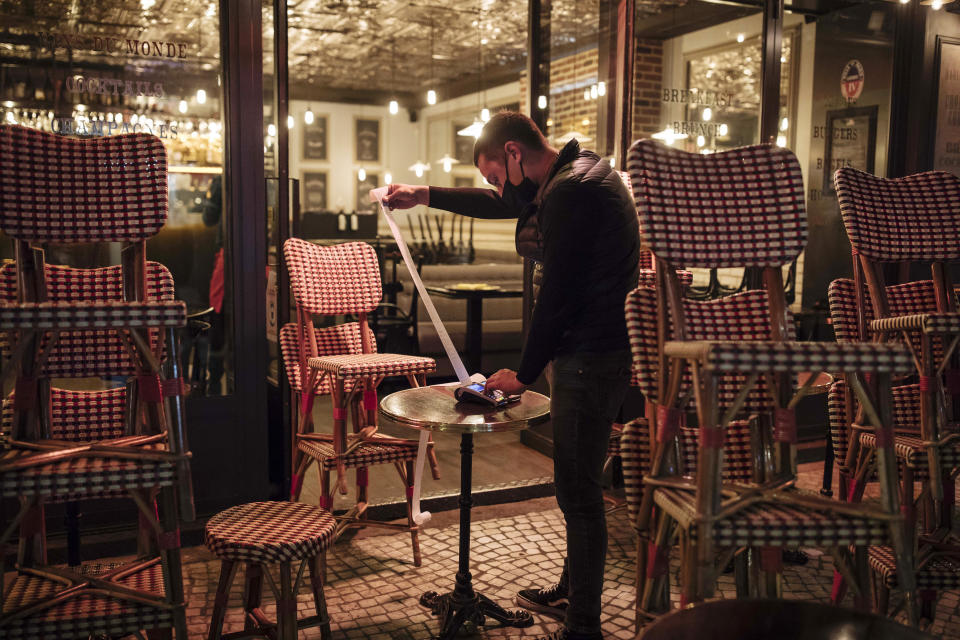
point(578, 219)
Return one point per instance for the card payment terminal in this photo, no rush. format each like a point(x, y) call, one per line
point(475, 392)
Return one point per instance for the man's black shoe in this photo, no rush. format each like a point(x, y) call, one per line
point(564, 634)
point(551, 602)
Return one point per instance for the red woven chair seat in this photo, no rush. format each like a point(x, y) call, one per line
point(648, 278)
point(367, 454)
point(794, 357)
point(372, 364)
point(92, 315)
point(910, 450)
point(87, 477)
point(925, 322)
point(940, 573)
point(86, 615)
point(767, 524)
point(270, 532)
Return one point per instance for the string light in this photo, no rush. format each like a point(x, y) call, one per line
point(201, 96)
point(308, 116)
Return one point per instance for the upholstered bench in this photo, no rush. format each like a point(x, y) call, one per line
point(261, 534)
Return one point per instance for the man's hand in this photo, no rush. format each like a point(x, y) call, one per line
point(506, 380)
point(406, 196)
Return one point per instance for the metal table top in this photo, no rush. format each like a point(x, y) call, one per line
point(435, 409)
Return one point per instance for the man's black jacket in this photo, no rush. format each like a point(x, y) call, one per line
point(589, 241)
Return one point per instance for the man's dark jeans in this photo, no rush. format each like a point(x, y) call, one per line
point(586, 392)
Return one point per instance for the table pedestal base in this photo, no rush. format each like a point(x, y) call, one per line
point(454, 610)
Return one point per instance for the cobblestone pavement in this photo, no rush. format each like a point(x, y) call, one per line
point(373, 587)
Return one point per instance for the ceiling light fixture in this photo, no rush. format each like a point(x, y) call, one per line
point(601, 88)
point(472, 130)
point(308, 115)
point(362, 174)
point(201, 96)
point(431, 94)
point(394, 107)
point(290, 122)
point(447, 162)
point(182, 107)
point(669, 136)
point(418, 168)
point(387, 178)
point(484, 114)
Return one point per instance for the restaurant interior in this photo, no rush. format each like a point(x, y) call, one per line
point(275, 119)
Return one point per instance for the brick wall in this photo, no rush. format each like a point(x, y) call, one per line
point(648, 74)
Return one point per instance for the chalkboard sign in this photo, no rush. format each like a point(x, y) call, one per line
point(314, 191)
point(367, 140)
point(315, 139)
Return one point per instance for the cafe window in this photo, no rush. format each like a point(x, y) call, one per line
point(138, 67)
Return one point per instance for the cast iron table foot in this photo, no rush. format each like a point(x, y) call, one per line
point(454, 610)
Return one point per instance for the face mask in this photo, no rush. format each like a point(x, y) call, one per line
point(517, 196)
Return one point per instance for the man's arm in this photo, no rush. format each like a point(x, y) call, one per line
point(566, 225)
point(476, 203)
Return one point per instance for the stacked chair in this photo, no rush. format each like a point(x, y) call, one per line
point(341, 361)
point(904, 222)
point(67, 445)
point(726, 370)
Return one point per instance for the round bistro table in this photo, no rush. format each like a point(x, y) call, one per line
point(435, 409)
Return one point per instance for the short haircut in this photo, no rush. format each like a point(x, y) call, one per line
point(506, 126)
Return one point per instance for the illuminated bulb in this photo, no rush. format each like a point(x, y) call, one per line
point(308, 116)
point(182, 106)
point(484, 114)
point(593, 92)
point(701, 141)
point(387, 178)
point(904, 1)
point(722, 129)
point(11, 118)
point(783, 59)
point(146, 4)
point(784, 124)
point(447, 165)
point(134, 118)
point(431, 97)
point(290, 122)
point(419, 171)
point(740, 37)
point(707, 114)
point(586, 94)
point(394, 107)
point(781, 141)
point(601, 88)
point(271, 130)
point(542, 102)
point(936, 4)
point(362, 174)
point(585, 121)
point(613, 161)
point(201, 96)
point(109, 117)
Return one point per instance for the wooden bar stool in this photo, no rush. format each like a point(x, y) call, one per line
point(261, 534)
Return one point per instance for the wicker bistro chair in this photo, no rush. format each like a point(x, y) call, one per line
point(902, 221)
point(68, 445)
point(744, 208)
point(342, 361)
point(938, 567)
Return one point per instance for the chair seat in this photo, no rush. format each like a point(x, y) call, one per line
point(769, 524)
point(941, 572)
point(613, 444)
point(88, 614)
point(367, 454)
point(270, 532)
point(89, 314)
point(792, 357)
point(925, 322)
point(911, 451)
point(648, 278)
point(86, 477)
point(373, 364)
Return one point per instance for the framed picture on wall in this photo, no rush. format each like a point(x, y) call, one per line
point(315, 139)
point(462, 146)
point(946, 141)
point(367, 139)
point(851, 141)
point(314, 191)
point(370, 181)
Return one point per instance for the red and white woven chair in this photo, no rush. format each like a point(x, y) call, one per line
point(342, 361)
point(118, 321)
point(915, 219)
point(938, 568)
point(744, 208)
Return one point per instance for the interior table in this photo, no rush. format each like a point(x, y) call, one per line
point(435, 409)
point(474, 294)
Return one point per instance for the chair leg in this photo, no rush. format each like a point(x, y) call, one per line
point(882, 597)
point(863, 599)
point(228, 569)
point(252, 594)
point(414, 528)
point(317, 571)
point(287, 605)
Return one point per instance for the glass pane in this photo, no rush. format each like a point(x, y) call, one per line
point(697, 72)
point(137, 66)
